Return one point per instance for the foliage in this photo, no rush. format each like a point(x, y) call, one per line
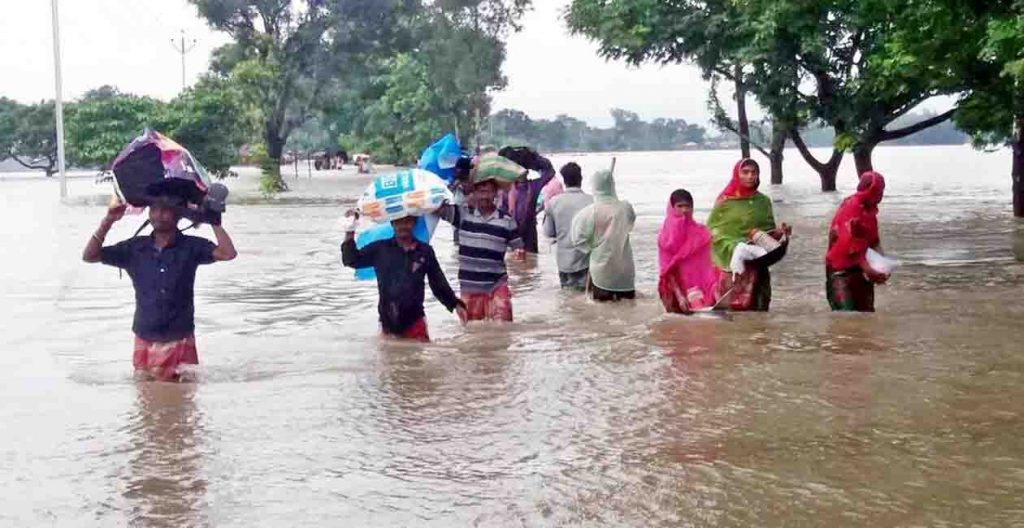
point(28, 136)
point(287, 54)
point(102, 122)
point(213, 120)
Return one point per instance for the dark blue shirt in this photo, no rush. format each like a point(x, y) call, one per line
point(163, 281)
point(400, 274)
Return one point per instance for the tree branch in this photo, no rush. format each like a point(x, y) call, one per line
point(889, 135)
point(798, 140)
point(26, 165)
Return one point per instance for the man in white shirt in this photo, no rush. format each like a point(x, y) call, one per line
point(572, 262)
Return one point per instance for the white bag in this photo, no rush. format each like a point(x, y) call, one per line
point(412, 192)
point(880, 263)
point(743, 253)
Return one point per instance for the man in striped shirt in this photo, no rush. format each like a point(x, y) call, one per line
point(485, 234)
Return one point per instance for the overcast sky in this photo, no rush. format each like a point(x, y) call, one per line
point(127, 43)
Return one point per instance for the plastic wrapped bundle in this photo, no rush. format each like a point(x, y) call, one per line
point(413, 192)
point(494, 167)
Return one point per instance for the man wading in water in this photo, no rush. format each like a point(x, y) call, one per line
point(162, 267)
point(400, 263)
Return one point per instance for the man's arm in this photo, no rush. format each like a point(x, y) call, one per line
point(94, 247)
point(439, 284)
point(225, 249)
point(547, 173)
point(549, 221)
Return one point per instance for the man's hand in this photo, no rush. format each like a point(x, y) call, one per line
point(115, 212)
point(519, 255)
point(350, 222)
point(460, 310)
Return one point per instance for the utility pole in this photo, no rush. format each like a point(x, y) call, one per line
point(58, 106)
point(182, 48)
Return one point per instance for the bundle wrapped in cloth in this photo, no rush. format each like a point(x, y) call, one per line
point(497, 168)
point(412, 192)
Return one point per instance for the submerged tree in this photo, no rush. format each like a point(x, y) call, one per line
point(288, 53)
point(993, 112)
point(28, 135)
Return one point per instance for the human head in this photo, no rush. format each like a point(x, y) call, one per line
point(750, 174)
point(164, 217)
point(403, 228)
point(463, 168)
point(484, 194)
point(872, 187)
point(572, 175)
point(604, 184)
point(682, 202)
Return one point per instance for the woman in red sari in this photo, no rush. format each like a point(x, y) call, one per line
point(850, 281)
point(688, 278)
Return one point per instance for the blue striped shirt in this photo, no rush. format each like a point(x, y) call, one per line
point(483, 242)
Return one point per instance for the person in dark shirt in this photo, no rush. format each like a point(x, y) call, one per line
point(401, 264)
point(162, 267)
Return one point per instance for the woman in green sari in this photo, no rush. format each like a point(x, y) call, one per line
point(740, 215)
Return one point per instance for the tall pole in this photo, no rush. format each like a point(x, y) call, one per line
point(183, 50)
point(58, 101)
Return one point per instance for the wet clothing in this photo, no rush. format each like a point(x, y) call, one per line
point(737, 212)
point(602, 229)
point(483, 242)
point(521, 202)
point(493, 306)
point(400, 275)
point(576, 280)
point(748, 291)
point(687, 278)
point(849, 290)
point(416, 332)
point(602, 295)
point(854, 229)
point(558, 225)
point(164, 282)
point(162, 360)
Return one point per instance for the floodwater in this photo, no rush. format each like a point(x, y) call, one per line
point(576, 414)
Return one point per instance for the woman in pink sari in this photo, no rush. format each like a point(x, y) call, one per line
point(688, 278)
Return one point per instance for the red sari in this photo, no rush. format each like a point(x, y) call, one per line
point(853, 231)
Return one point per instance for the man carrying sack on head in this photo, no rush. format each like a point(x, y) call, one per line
point(162, 267)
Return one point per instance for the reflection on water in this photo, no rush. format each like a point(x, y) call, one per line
point(576, 414)
point(164, 481)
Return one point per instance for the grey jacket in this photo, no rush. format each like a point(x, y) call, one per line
point(558, 224)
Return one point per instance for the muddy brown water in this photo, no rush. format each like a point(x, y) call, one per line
point(576, 414)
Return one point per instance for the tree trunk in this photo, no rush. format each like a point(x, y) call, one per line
point(271, 181)
point(741, 111)
point(776, 154)
point(862, 157)
point(1018, 167)
point(826, 171)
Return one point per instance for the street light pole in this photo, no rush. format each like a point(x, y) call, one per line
point(183, 49)
point(59, 101)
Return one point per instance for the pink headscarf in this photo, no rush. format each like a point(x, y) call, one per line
point(684, 252)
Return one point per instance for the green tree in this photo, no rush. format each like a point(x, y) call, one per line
point(212, 120)
point(102, 122)
point(289, 53)
point(710, 34)
point(993, 111)
point(28, 135)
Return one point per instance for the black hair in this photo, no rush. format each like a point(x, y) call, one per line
point(751, 163)
point(681, 195)
point(571, 174)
